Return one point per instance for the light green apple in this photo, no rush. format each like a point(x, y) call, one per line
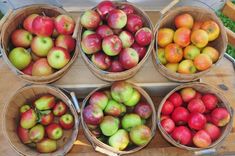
point(109, 125)
point(135, 98)
point(119, 140)
point(41, 45)
point(20, 58)
point(130, 120)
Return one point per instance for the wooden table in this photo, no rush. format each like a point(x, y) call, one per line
point(80, 76)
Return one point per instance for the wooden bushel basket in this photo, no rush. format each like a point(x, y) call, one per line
point(11, 119)
point(223, 102)
point(14, 20)
point(199, 14)
point(116, 76)
point(106, 149)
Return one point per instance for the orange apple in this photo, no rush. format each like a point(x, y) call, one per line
point(165, 36)
point(172, 66)
point(184, 20)
point(199, 38)
point(212, 53)
point(202, 62)
point(173, 53)
point(212, 29)
point(186, 67)
point(191, 51)
point(197, 25)
point(182, 36)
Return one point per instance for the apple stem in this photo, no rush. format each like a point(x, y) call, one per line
point(43, 13)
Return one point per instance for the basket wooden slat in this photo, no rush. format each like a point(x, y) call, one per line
point(14, 20)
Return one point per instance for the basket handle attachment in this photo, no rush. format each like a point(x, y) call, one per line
point(104, 151)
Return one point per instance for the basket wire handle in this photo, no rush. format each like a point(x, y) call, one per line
point(169, 6)
point(75, 32)
point(75, 102)
point(104, 151)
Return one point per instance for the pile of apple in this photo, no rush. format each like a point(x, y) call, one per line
point(118, 116)
point(186, 50)
point(192, 118)
point(42, 123)
point(114, 37)
point(42, 44)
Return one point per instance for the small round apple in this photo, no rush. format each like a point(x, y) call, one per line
point(104, 31)
point(104, 7)
point(210, 101)
point(182, 135)
point(128, 9)
point(46, 146)
point(143, 109)
point(180, 115)
point(90, 19)
point(140, 135)
point(141, 50)
point(60, 108)
point(46, 119)
point(134, 23)
point(113, 108)
point(109, 125)
point(65, 41)
point(28, 22)
point(100, 99)
point(43, 26)
point(37, 133)
point(66, 121)
point(196, 121)
point(64, 24)
point(42, 68)
point(121, 91)
point(116, 66)
point(176, 99)
point(24, 108)
point(130, 120)
point(167, 108)
point(119, 140)
point(54, 131)
point(202, 139)
point(28, 70)
point(101, 60)
point(112, 45)
point(91, 43)
point(58, 57)
point(168, 125)
point(127, 39)
point(128, 58)
point(220, 117)
point(93, 115)
point(41, 45)
point(23, 135)
point(144, 36)
point(117, 19)
point(21, 38)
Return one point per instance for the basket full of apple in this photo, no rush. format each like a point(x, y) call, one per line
point(115, 38)
point(40, 120)
point(189, 42)
point(119, 118)
point(195, 117)
point(37, 43)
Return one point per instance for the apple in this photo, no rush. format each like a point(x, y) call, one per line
point(220, 116)
point(141, 50)
point(197, 25)
point(64, 24)
point(187, 94)
point(182, 135)
point(21, 38)
point(101, 60)
point(23, 135)
point(112, 45)
point(117, 19)
point(165, 36)
point(167, 108)
point(28, 22)
point(212, 53)
point(104, 31)
point(198, 95)
point(140, 135)
point(172, 66)
point(46, 146)
point(43, 26)
point(93, 115)
point(212, 28)
point(65, 41)
point(45, 102)
point(161, 56)
point(186, 67)
point(128, 58)
point(182, 36)
point(42, 68)
point(168, 125)
point(28, 69)
point(203, 62)
point(28, 119)
point(109, 125)
point(90, 19)
point(128, 9)
point(104, 7)
point(202, 139)
point(59, 109)
point(54, 131)
point(41, 45)
point(113, 108)
point(119, 140)
point(36, 134)
point(20, 58)
point(191, 51)
point(199, 38)
point(127, 39)
point(210, 101)
point(130, 120)
point(143, 109)
point(92, 43)
point(66, 121)
point(134, 23)
point(134, 99)
point(184, 20)
point(100, 99)
point(196, 121)
point(24, 108)
point(173, 53)
point(144, 36)
point(121, 91)
point(213, 131)
point(47, 118)
point(58, 57)
point(175, 99)
point(116, 66)
point(162, 117)
point(86, 33)
point(196, 105)
point(180, 115)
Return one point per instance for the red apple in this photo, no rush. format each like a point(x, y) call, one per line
point(144, 36)
point(116, 66)
point(64, 24)
point(213, 131)
point(90, 19)
point(43, 26)
point(21, 38)
point(196, 105)
point(202, 139)
point(91, 43)
point(28, 22)
point(93, 115)
point(128, 9)
point(60, 108)
point(176, 99)
point(210, 101)
point(180, 115)
point(104, 31)
point(127, 39)
point(134, 23)
point(128, 58)
point(198, 95)
point(143, 109)
point(28, 69)
point(141, 50)
point(23, 135)
point(117, 19)
point(54, 131)
point(112, 45)
point(220, 116)
point(104, 7)
point(196, 121)
point(66, 121)
point(168, 125)
point(42, 68)
point(101, 60)
point(99, 99)
point(182, 135)
point(47, 118)
point(167, 108)
point(164, 117)
point(65, 41)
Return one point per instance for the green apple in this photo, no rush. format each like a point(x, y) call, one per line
point(119, 140)
point(20, 58)
point(109, 125)
point(46, 146)
point(58, 57)
point(37, 133)
point(86, 33)
point(135, 98)
point(41, 45)
point(123, 109)
point(140, 135)
point(131, 120)
point(172, 66)
point(161, 56)
point(45, 102)
point(24, 108)
point(121, 91)
point(113, 108)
